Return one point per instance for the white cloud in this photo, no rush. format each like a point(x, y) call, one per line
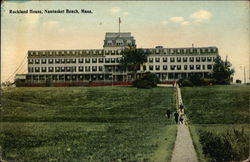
point(49, 25)
point(115, 10)
point(125, 13)
point(177, 19)
point(185, 23)
point(201, 16)
point(164, 22)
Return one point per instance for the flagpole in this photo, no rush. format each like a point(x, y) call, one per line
point(119, 25)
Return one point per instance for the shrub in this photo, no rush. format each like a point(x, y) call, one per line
point(218, 149)
point(229, 146)
point(187, 83)
point(149, 80)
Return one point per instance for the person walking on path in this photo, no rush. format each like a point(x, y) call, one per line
point(181, 118)
point(176, 117)
point(168, 113)
point(181, 108)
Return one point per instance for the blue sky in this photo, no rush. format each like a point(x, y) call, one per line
point(166, 23)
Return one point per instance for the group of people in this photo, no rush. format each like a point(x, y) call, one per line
point(179, 117)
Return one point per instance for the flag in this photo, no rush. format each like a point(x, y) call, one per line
point(120, 20)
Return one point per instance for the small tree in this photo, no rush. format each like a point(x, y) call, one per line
point(133, 58)
point(222, 71)
point(148, 80)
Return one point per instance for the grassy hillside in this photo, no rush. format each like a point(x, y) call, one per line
point(219, 113)
point(217, 104)
point(86, 124)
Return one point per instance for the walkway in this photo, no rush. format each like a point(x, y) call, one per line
point(183, 150)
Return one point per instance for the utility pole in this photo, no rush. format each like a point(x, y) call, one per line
point(244, 72)
point(244, 75)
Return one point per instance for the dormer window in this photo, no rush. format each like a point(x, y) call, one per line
point(129, 42)
point(109, 42)
point(119, 42)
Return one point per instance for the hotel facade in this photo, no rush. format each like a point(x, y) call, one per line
point(102, 66)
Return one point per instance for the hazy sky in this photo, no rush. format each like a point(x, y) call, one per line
point(170, 24)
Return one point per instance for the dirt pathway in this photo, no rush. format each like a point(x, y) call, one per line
point(184, 149)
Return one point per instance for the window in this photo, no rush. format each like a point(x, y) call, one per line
point(51, 61)
point(73, 60)
point(209, 59)
point(107, 60)
point(57, 61)
point(178, 67)
point(151, 67)
point(68, 69)
point(178, 59)
point(94, 60)
point(113, 60)
point(119, 42)
point(144, 67)
point(198, 59)
point(67, 60)
point(44, 69)
point(165, 67)
point(185, 67)
point(164, 59)
point(87, 60)
point(43, 61)
point(118, 60)
point(172, 67)
point(203, 59)
point(37, 69)
point(184, 59)
point(30, 69)
point(191, 59)
point(51, 69)
point(100, 60)
point(57, 69)
point(63, 60)
point(87, 68)
point(157, 59)
point(157, 67)
point(198, 67)
point(172, 59)
point(37, 61)
point(100, 68)
point(80, 68)
point(94, 68)
point(62, 69)
point(151, 60)
point(129, 42)
point(80, 60)
point(30, 61)
point(109, 42)
point(209, 67)
point(203, 67)
point(191, 67)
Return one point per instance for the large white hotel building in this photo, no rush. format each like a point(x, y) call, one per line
point(102, 67)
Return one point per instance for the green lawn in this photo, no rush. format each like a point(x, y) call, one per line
point(87, 124)
point(221, 110)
